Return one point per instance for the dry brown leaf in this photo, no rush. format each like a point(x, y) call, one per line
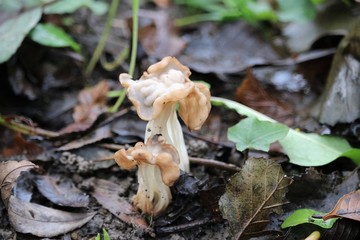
point(107, 194)
point(348, 206)
point(160, 38)
point(92, 103)
point(252, 94)
point(252, 194)
point(94, 136)
point(9, 172)
point(28, 217)
point(63, 193)
point(20, 147)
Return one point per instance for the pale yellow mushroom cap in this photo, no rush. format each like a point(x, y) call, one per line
point(154, 152)
point(167, 82)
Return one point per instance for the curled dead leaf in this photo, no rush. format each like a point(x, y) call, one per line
point(346, 207)
point(28, 217)
point(9, 172)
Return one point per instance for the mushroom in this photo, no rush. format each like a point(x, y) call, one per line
point(156, 95)
point(158, 169)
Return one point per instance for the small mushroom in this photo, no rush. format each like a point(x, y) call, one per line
point(158, 169)
point(155, 96)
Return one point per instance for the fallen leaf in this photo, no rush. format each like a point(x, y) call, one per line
point(252, 94)
point(344, 229)
point(92, 103)
point(251, 133)
point(226, 48)
point(252, 194)
point(346, 207)
point(108, 194)
point(21, 147)
point(63, 193)
point(94, 136)
point(160, 38)
point(42, 221)
point(340, 100)
point(9, 172)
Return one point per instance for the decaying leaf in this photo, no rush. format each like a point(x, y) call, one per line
point(226, 48)
point(346, 207)
point(252, 194)
point(63, 193)
point(92, 103)
point(28, 217)
point(160, 38)
point(340, 101)
point(252, 94)
point(9, 172)
point(108, 193)
point(344, 229)
point(20, 147)
point(92, 137)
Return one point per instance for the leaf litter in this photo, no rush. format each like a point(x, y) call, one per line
point(251, 195)
point(188, 221)
point(29, 217)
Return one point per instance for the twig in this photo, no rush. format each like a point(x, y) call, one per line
point(215, 163)
point(26, 129)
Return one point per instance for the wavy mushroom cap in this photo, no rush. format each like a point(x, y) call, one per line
point(154, 152)
point(167, 82)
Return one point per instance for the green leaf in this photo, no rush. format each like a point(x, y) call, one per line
point(252, 194)
point(309, 149)
point(98, 237)
point(53, 36)
point(14, 30)
point(64, 6)
point(256, 134)
point(353, 154)
point(305, 149)
point(306, 215)
point(296, 11)
point(97, 7)
point(70, 6)
point(106, 235)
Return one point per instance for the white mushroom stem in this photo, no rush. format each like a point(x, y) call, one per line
point(168, 125)
point(153, 196)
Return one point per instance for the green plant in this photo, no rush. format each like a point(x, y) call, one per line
point(305, 215)
point(304, 149)
point(15, 29)
point(249, 10)
point(105, 235)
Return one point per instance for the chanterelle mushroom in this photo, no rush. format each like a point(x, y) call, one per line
point(155, 96)
point(158, 169)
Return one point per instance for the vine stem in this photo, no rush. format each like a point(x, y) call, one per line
point(135, 28)
point(103, 39)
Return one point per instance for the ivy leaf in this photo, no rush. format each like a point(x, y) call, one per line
point(306, 215)
point(14, 30)
point(50, 35)
point(252, 194)
point(304, 149)
point(256, 134)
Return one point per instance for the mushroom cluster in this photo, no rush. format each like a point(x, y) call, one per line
point(158, 169)
point(156, 95)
